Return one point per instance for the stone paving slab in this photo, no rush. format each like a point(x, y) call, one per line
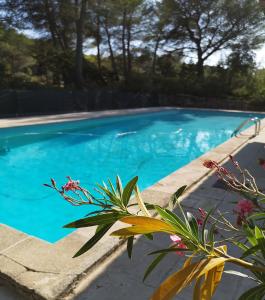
point(48, 119)
point(46, 271)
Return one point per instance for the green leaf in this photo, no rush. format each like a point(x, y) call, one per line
point(130, 246)
point(119, 186)
point(95, 220)
point(153, 264)
point(99, 211)
point(127, 192)
point(167, 215)
point(149, 236)
point(255, 293)
point(250, 235)
point(99, 227)
point(111, 186)
point(167, 250)
point(260, 239)
point(261, 200)
point(177, 194)
point(193, 224)
point(112, 197)
point(96, 237)
point(204, 232)
point(150, 206)
point(211, 235)
point(257, 215)
point(240, 245)
point(250, 251)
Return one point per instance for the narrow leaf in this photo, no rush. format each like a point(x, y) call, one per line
point(167, 250)
point(153, 264)
point(130, 246)
point(203, 232)
point(141, 202)
point(193, 224)
point(250, 251)
point(95, 220)
point(127, 192)
point(96, 237)
point(119, 186)
point(255, 293)
point(260, 239)
point(177, 194)
point(148, 222)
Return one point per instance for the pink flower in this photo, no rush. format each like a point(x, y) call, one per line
point(202, 212)
point(202, 216)
point(243, 209)
point(177, 240)
point(199, 221)
point(210, 164)
point(223, 170)
point(71, 185)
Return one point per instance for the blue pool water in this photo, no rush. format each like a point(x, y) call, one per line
point(149, 145)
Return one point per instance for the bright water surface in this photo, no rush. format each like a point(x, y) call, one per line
point(149, 145)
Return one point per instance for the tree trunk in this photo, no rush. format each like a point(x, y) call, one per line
point(129, 56)
point(153, 71)
point(79, 80)
point(200, 64)
point(52, 24)
point(125, 73)
point(98, 45)
point(112, 58)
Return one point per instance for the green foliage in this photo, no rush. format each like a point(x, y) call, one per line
point(188, 230)
point(138, 46)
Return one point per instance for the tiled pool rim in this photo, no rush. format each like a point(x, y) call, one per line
point(41, 270)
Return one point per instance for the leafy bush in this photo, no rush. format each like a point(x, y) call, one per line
point(201, 236)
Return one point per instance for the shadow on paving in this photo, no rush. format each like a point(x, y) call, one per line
point(122, 278)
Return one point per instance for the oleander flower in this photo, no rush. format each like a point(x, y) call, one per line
point(210, 164)
point(177, 240)
point(71, 185)
point(201, 217)
point(243, 209)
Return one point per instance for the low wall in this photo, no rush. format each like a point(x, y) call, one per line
point(34, 102)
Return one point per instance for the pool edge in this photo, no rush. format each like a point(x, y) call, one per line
point(78, 116)
point(41, 270)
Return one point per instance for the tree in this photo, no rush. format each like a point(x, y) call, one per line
point(241, 69)
point(81, 13)
point(205, 27)
point(16, 59)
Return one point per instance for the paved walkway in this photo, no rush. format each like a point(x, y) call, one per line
point(118, 277)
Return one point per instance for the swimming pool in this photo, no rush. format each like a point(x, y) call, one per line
point(151, 145)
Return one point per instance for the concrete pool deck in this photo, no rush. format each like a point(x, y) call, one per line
point(40, 270)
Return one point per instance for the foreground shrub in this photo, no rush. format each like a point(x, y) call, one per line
point(201, 237)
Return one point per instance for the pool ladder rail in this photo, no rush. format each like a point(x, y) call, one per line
point(254, 120)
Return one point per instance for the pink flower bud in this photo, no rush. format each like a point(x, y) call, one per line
point(210, 164)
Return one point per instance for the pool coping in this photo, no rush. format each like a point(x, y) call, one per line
point(41, 270)
point(78, 116)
